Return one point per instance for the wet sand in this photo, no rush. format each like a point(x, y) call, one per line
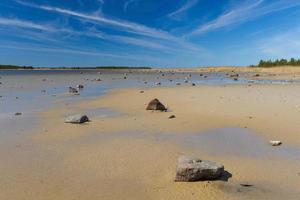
point(131, 153)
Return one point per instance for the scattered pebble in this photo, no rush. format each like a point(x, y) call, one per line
point(18, 113)
point(275, 142)
point(172, 117)
point(246, 185)
point(77, 119)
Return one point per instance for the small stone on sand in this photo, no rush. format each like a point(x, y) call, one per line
point(275, 142)
point(172, 117)
point(77, 119)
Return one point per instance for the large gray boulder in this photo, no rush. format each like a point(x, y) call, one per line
point(77, 119)
point(193, 169)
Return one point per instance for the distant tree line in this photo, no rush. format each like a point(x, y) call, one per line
point(70, 68)
point(15, 67)
point(281, 62)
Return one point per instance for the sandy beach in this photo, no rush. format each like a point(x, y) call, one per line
point(128, 152)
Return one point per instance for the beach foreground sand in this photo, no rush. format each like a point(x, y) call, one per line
point(133, 154)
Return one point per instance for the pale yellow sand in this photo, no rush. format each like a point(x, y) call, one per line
point(103, 160)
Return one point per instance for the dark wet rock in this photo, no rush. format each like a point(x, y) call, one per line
point(158, 83)
point(155, 104)
point(246, 185)
point(141, 91)
point(172, 116)
point(73, 90)
point(201, 74)
point(18, 113)
point(257, 75)
point(186, 81)
point(205, 76)
point(43, 91)
point(235, 79)
point(98, 79)
point(77, 119)
point(125, 77)
point(44, 79)
point(178, 83)
point(234, 75)
point(193, 169)
point(80, 86)
point(193, 84)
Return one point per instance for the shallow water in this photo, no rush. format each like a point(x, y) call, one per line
point(239, 142)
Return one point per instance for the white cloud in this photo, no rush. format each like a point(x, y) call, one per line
point(141, 42)
point(130, 26)
point(128, 3)
point(118, 24)
point(245, 12)
point(283, 45)
point(60, 50)
point(189, 4)
point(24, 24)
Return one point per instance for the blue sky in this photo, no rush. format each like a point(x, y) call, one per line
point(162, 33)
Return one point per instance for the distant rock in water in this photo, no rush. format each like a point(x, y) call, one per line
point(77, 119)
point(80, 86)
point(73, 90)
point(191, 169)
point(18, 113)
point(155, 104)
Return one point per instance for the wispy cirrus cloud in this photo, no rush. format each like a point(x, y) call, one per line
point(24, 24)
point(242, 13)
point(69, 51)
point(189, 4)
point(128, 3)
point(285, 44)
point(61, 50)
point(87, 33)
point(127, 26)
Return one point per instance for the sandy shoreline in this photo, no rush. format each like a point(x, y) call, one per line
point(132, 153)
point(124, 157)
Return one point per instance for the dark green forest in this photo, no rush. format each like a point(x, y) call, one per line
point(281, 62)
point(15, 67)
